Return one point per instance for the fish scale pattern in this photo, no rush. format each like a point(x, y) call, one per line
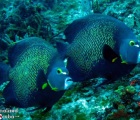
point(90, 41)
point(35, 58)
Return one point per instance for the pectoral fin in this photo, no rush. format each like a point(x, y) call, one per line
point(41, 80)
point(109, 54)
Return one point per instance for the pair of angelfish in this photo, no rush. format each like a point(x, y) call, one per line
point(97, 46)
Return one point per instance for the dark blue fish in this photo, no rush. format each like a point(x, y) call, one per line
point(100, 46)
point(38, 76)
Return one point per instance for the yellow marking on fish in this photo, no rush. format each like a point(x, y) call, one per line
point(124, 62)
point(114, 59)
point(53, 88)
point(44, 86)
point(59, 71)
point(132, 43)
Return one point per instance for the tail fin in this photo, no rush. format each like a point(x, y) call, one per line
point(4, 71)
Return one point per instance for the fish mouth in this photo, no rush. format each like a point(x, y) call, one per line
point(68, 83)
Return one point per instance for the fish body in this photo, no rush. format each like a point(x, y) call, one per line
point(100, 45)
point(35, 77)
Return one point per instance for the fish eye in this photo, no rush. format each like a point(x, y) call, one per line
point(59, 71)
point(132, 43)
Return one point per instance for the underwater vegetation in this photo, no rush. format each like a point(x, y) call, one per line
point(36, 18)
point(87, 100)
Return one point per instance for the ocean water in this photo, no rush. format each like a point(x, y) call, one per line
point(48, 19)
